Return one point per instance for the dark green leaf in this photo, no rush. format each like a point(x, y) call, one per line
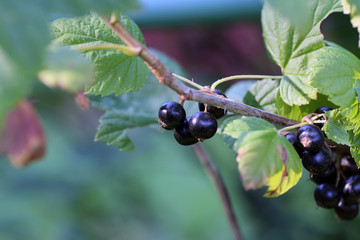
point(115, 72)
point(114, 125)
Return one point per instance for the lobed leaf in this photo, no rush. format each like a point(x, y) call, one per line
point(292, 42)
point(115, 72)
point(264, 157)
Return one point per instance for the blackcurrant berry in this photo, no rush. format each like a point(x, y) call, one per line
point(351, 190)
point(217, 112)
point(171, 115)
point(322, 110)
point(202, 125)
point(346, 211)
point(327, 195)
point(329, 176)
point(182, 134)
point(311, 138)
point(348, 166)
point(316, 162)
point(292, 138)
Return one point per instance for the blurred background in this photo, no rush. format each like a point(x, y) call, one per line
point(86, 190)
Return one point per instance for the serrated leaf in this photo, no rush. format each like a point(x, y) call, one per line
point(114, 125)
point(336, 128)
point(115, 72)
point(265, 158)
point(335, 73)
point(144, 104)
point(298, 112)
point(292, 44)
point(352, 7)
point(262, 95)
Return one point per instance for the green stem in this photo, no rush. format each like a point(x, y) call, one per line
point(214, 85)
point(298, 125)
point(188, 81)
point(130, 51)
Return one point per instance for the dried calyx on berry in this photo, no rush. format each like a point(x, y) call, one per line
point(311, 138)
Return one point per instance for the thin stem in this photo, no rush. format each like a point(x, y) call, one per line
point(131, 51)
point(299, 125)
point(222, 80)
point(188, 81)
point(220, 187)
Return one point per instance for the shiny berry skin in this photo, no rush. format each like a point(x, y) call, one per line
point(217, 112)
point(348, 166)
point(292, 138)
point(323, 109)
point(202, 125)
point(311, 138)
point(182, 134)
point(327, 195)
point(329, 176)
point(351, 190)
point(171, 115)
point(346, 211)
point(316, 162)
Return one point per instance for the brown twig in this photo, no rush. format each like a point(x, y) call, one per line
point(166, 78)
point(220, 187)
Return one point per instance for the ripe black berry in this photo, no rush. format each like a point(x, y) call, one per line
point(323, 109)
point(311, 138)
point(329, 176)
point(348, 166)
point(346, 211)
point(217, 112)
point(202, 125)
point(316, 162)
point(292, 138)
point(351, 190)
point(182, 134)
point(326, 195)
point(171, 115)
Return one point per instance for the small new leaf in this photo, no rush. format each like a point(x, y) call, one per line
point(336, 128)
point(264, 157)
point(115, 72)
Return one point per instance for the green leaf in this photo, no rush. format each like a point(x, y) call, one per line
point(335, 73)
point(114, 125)
point(292, 44)
point(131, 110)
point(352, 7)
point(336, 128)
point(115, 72)
point(262, 95)
point(277, 165)
point(298, 112)
point(66, 69)
point(24, 36)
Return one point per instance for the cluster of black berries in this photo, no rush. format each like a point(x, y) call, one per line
point(189, 130)
point(338, 179)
